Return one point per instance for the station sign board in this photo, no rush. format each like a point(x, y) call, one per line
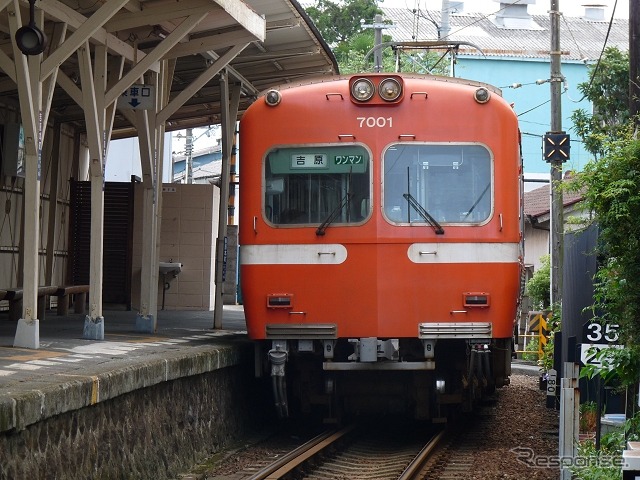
point(138, 97)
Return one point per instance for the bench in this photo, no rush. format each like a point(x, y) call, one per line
point(79, 301)
point(62, 292)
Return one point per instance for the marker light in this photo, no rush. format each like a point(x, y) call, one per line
point(482, 95)
point(279, 300)
point(389, 89)
point(362, 89)
point(272, 98)
point(476, 299)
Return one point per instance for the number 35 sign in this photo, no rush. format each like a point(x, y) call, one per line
point(596, 337)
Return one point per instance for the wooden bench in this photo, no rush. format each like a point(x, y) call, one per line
point(79, 300)
point(62, 292)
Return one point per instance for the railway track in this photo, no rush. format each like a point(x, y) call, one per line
point(355, 453)
point(378, 450)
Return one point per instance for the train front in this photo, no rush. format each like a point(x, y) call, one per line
point(380, 234)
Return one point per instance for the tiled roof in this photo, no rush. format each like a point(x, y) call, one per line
point(579, 38)
point(537, 202)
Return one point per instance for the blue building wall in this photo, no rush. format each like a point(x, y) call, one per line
point(529, 102)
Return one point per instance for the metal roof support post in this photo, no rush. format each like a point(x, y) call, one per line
point(27, 77)
point(53, 204)
point(92, 86)
point(151, 139)
point(148, 132)
point(229, 115)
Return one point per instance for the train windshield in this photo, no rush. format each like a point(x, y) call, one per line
point(452, 183)
point(319, 185)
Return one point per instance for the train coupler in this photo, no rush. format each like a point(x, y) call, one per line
point(370, 349)
point(278, 356)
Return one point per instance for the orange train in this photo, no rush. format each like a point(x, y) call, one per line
point(381, 242)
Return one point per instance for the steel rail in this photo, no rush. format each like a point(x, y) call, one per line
point(418, 462)
point(298, 456)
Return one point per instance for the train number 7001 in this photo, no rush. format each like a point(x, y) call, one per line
point(371, 122)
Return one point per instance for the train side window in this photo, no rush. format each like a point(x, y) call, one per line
point(452, 182)
point(308, 185)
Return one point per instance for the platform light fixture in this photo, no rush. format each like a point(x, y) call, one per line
point(30, 39)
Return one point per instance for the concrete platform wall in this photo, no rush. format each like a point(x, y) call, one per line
point(155, 432)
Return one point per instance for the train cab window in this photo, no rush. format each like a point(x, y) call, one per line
point(452, 183)
point(314, 185)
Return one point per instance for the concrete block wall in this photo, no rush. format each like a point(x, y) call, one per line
point(187, 235)
point(188, 231)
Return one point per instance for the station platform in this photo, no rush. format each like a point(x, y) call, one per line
point(521, 367)
point(68, 372)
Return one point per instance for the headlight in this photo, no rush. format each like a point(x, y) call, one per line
point(389, 89)
point(482, 95)
point(362, 89)
point(272, 98)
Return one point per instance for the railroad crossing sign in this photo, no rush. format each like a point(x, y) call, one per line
point(138, 97)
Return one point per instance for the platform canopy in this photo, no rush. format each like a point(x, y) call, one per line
point(284, 46)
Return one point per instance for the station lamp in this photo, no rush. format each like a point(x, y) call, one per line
point(30, 39)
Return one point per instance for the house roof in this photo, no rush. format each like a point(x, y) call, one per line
point(538, 202)
point(581, 38)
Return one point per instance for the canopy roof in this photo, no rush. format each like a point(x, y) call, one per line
point(193, 35)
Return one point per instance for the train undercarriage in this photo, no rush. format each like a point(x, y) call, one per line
point(425, 379)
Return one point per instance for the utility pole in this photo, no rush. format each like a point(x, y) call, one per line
point(556, 152)
point(634, 61)
point(377, 26)
point(556, 146)
point(189, 152)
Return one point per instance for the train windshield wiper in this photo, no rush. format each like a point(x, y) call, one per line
point(333, 215)
point(423, 213)
point(486, 189)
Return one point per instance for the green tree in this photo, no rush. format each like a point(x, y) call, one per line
point(342, 27)
point(608, 91)
point(339, 22)
point(539, 286)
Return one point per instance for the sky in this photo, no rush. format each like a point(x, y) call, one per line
point(541, 7)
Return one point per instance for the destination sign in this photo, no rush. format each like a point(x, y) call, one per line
point(309, 160)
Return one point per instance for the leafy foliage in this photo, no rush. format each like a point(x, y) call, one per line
point(609, 95)
point(538, 288)
point(611, 189)
point(598, 464)
point(339, 22)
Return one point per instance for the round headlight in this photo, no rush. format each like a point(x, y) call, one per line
point(272, 98)
point(389, 89)
point(362, 89)
point(482, 95)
